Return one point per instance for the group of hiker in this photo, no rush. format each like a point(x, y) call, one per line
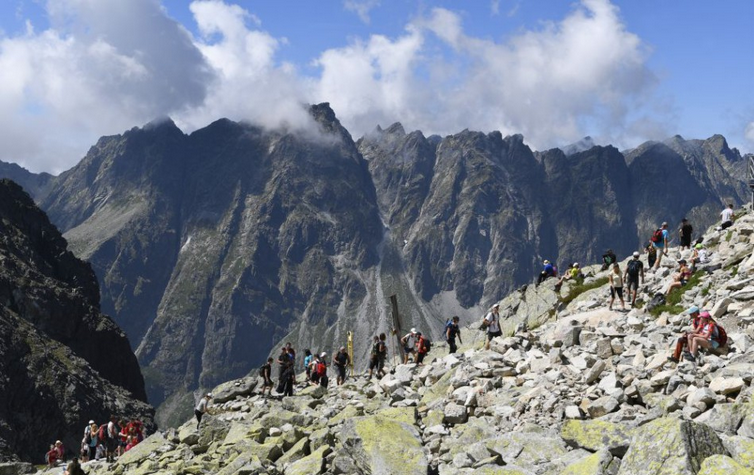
point(105, 441)
point(705, 333)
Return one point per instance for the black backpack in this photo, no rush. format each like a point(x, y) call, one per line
point(657, 300)
point(633, 267)
point(261, 370)
point(427, 344)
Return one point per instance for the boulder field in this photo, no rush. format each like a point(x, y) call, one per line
point(570, 388)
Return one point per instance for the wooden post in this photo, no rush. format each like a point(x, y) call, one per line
point(397, 331)
point(350, 352)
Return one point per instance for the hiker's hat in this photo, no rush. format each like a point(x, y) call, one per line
point(705, 314)
point(342, 348)
point(691, 310)
point(546, 261)
point(91, 422)
point(57, 442)
point(497, 305)
point(575, 264)
point(699, 246)
point(636, 254)
point(682, 261)
point(413, 330)
point(209, 395)
point(664, 223)
point(323, 354)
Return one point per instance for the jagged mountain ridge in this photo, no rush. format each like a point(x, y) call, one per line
point(61, 361)
point(213, 247)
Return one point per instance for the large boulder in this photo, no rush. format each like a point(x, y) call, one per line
point(720, 464)
point(669, 446)
point(382, 446)
point(594, 435)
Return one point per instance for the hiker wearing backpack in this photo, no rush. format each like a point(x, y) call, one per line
point(409, 344)
point(423, 346)
point(683, 340)
point(307, 363)
point(111, 441)
point(660, 241)
point(265, 372)
point(452, 330)
point(492, 323)
point(711, 336)
point(288, 380)
point(321, 370)
point(381, 355)
point(684, 233)
point(634, 270)
point(341, 360)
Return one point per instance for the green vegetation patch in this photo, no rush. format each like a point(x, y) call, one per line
point(581, 287)
point(673, 301)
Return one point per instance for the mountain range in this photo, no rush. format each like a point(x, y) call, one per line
point(213, 248)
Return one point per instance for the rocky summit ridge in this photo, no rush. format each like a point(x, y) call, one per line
point(570, 388)
point(212, 248)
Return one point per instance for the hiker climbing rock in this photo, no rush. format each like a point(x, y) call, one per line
point(201, 408)
point(491, 323)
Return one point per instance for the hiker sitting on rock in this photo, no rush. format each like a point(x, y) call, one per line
point(51, 457)
point(548, 271)
point(683, 340)
point(573, 272)
point(681, 277)
point(707, 337)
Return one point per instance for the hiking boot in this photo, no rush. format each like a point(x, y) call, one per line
point(673, 359)
point(689, 357)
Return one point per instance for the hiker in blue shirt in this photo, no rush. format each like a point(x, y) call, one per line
point(660, 241)
point(547, 271)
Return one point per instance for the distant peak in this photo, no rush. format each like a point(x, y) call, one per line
point(160, 123)
point(580, 146)
point(396, 128)
point(323, 112)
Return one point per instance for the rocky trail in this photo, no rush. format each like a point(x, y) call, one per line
point(576, 389)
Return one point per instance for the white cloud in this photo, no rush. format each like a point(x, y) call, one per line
point(361, 8)
point(93, 73)
point(749, 133)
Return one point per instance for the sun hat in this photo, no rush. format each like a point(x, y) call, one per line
point(413, 330)
point(692, 309)
point(546, 261)
point(91, 422)
point(575, 264)
point(705, 314)
point(322, 355)
point(209, 395)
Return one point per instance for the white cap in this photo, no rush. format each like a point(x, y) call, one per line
point(322, 355)
point(209, 394)
point(91, 422)
point(413, 330)
point(636, 253)
point(575, 264)
point(497, 305)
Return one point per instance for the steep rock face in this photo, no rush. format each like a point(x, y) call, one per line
point(221, 243)
point(61, 361)
point(36, 184)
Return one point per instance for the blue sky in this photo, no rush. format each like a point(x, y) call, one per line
point(622, 72)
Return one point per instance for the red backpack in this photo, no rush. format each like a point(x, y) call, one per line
point(102, 433)
point(722, 337)
point(657, 236)
point(321, 368)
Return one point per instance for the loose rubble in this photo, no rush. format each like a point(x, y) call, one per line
point(576, 389)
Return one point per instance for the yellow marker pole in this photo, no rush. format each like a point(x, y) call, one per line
point(350, 350)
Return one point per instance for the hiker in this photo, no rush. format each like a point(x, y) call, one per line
point(660, 241)
point(684, 233)
point(616, 287)
point(314, 377)
point(374, 356)
point(573, 272)
point(651, 251)
point(634, 270)
point(382, 355)
point(548, 270)
point(91, 441)
point(282, 361)
point(699, 256)
point(60, 449)
point(287, 380)
point(683, 340)
point(707, 337)
point(74, 468)
point(307, 363)
point(111, 441)
point(291, 352)
point(51, 457)
point(84, 451)
point(409, 343)
point(681, 277)
point(421, 349)
point(201, 408)
point(322, 370)
point(452, 331)
point(341, 360)
point(266, 374)
point(727, 217)
point(492, 323)
point(122, 437)
point(608, 259)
